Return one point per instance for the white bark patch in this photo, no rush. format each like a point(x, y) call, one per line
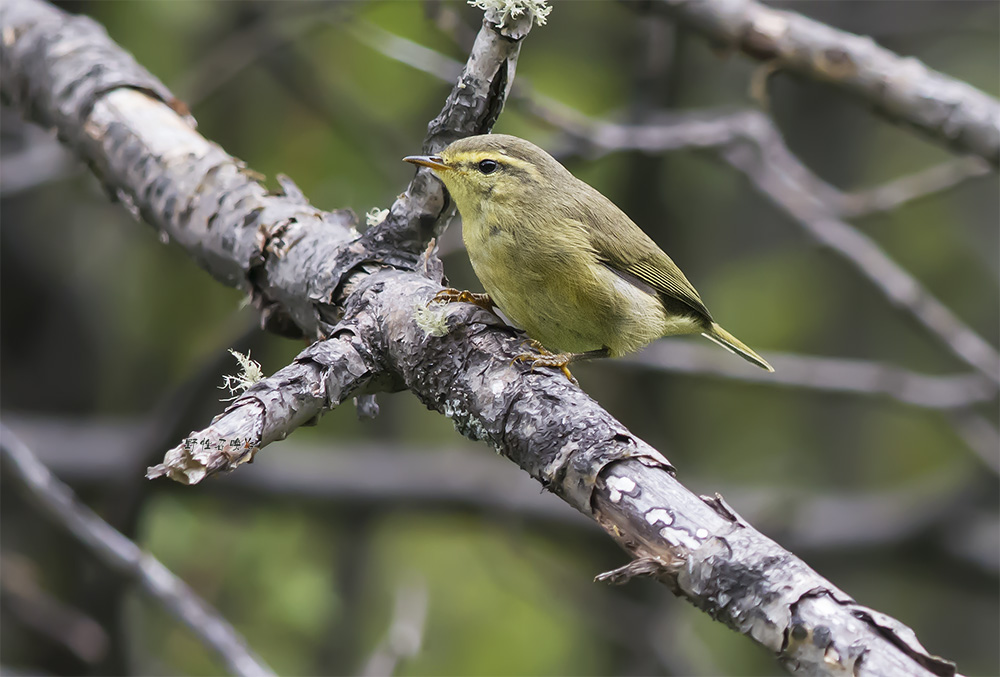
point(659, 516)
point(619, 486)
point(679, 538)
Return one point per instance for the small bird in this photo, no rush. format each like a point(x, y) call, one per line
point(561, 260)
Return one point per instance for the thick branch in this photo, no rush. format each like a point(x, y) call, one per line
point(387, 477)
point(277, 248)
point(457, 359)
point(902, 89)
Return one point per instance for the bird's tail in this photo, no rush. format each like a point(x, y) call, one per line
point(734, 345)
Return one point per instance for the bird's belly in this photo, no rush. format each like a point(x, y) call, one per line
point(566, 299)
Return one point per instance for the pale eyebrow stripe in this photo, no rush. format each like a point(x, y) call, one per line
point(513, 162)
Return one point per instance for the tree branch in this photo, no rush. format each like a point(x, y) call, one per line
point(457, 359)
point(848, 205)
point(826, 374)
point(896, 193)
point(387, 477)
point(31, 606)
point(955, 395)
point(902, 89)
point(750, 142)
point(119, 553)
point(405, 635)
point(463, 369)
point(125, 124)
point(779, 175)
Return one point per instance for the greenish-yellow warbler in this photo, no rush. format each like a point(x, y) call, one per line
point(561, 260)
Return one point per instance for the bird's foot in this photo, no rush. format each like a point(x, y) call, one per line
point(547, 359)
point(455, 296)
point(537, 347)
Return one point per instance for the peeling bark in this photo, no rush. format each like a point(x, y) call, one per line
point(698, 546)
point(308, 271)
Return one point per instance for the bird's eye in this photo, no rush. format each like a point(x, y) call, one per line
point(488, 166)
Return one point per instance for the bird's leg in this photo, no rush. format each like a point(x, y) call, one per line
point(558, 360)
point(450, 295)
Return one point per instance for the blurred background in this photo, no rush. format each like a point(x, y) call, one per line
point(112, 345)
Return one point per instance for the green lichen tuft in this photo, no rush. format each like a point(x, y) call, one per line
point(250, 373)
point(513, 9)
point(375, 216)
point(433, 320)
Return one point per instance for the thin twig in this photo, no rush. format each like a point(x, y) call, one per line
point(848, 205)
point(405, 635)
point(267, 31)
point(119, 553)
point(892, 280)
point(750, 142)
point(980, 435)
point(458, 360)
point(406, 51)
point(829, 374)
point(34, 607)
point(906, 189)
point(445, 68)
point(377, 478)
point(779, 175)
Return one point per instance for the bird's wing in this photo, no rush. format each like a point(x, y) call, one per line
point(633, 254)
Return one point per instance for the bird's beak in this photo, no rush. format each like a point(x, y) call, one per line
point(432, 161)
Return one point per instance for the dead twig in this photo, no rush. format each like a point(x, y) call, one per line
point(61, 506)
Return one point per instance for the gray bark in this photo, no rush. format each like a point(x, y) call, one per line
point(901, 89)
point(309, 272)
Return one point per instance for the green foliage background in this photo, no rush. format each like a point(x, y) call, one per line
point(100, 320)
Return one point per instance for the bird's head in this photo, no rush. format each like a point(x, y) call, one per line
point(492, 169)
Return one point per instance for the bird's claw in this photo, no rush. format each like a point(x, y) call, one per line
point(455, 296)
point(537, 347)
point(547, 359)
